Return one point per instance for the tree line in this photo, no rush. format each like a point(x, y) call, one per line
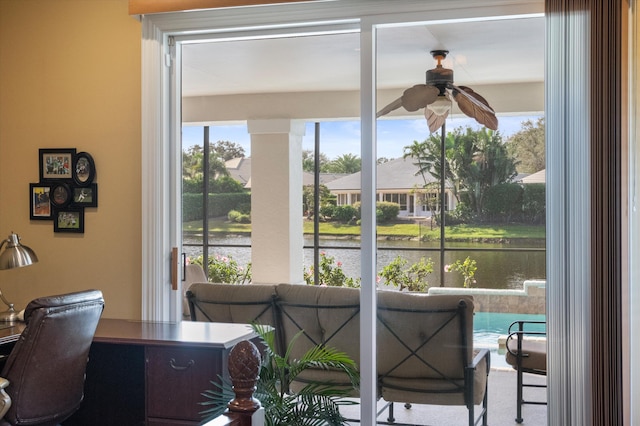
point(476, 162)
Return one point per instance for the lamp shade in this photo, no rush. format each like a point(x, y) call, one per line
point(440, 106)
point(15, 254)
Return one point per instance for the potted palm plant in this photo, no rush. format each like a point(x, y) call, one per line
point(316, 404)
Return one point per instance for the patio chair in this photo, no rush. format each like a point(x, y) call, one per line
point(426, 354)
point(328, 316)
point(527, 353)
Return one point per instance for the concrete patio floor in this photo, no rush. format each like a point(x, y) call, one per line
point(501, 402)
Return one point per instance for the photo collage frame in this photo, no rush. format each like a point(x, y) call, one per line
point(66, 187)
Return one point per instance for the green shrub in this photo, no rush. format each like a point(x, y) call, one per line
point(388, 211)
point(219, 205)
point(224, 269)
point(327, 211)
point(191, 207)
point(238, 217)
point(357, 205)
point(345, 213)
point(308, 198)
point(413, 278)
point(244, 208)
point(503, 203)
point(461, 214)
point(192, 186)
point(534, 203)
point(330, 273)
point(385, 211)
point(467, 269)
point(226, 185)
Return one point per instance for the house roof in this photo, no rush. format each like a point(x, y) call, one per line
point(309, 179)
point(395, 174)
point(537, 177)
point(240, 169)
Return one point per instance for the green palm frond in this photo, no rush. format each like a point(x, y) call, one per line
point(316, 404)
point(325, 358)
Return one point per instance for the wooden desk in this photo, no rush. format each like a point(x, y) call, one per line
point(154, 373)
point(146, 373)
point(9, 334)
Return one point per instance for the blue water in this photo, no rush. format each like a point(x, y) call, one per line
point(489, 326)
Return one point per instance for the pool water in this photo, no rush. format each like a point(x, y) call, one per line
point(489, 326)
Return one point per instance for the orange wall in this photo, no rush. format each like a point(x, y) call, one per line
point(70, 78)
point(155, 6)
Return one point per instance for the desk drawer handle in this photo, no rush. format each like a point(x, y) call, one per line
point(172, 363)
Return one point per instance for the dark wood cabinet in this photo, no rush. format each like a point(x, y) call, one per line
point(153, 374)
point(176, 378)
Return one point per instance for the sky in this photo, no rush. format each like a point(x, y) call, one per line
point(343, 137)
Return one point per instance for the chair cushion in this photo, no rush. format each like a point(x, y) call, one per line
point(434, 391)
point(329, 316)
point(534, 350)
point(230, 303)
point(419, 335)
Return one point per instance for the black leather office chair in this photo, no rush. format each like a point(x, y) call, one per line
point(42, 381)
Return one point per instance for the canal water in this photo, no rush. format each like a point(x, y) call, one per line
point(500, 265)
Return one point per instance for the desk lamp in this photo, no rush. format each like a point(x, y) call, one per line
point(15, 255)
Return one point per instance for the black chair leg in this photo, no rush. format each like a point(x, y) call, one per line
point(390, 418)
point(519, 397)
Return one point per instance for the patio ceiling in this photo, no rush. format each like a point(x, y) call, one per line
point(503, 59)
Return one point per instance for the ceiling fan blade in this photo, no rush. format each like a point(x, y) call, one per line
point(419, 96)
point(392, 106)
point(434, 120)
point(475, 106)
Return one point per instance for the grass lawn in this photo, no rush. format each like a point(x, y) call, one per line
point(461, 232)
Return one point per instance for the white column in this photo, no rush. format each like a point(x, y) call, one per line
point(276, 201)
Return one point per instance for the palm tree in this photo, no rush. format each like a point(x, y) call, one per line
point(475, 160)
point(346, 163)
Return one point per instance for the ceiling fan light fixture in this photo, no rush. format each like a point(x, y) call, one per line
point(437, 94)
point(440, 106)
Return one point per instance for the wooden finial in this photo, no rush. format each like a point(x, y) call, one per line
point(244, 367)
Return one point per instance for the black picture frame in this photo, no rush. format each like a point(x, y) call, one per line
point(56, 164)
point(40, 207)
point(60, 195)
point(68, 220)
point(85, 196)
point(84, 169)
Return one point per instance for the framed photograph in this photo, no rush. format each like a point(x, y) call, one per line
point(39, 201)
point(68, 220)
point(56, 164)
point(61, 195)
point(84, 169)
point(85, 196)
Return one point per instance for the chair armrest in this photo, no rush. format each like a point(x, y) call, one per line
point(522, 329)
point(5, 400)
point(521, 332)
point(482, 353)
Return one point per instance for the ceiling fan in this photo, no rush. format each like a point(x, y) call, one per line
point(435, 98)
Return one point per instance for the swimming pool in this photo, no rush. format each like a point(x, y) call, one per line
point(489, 326)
